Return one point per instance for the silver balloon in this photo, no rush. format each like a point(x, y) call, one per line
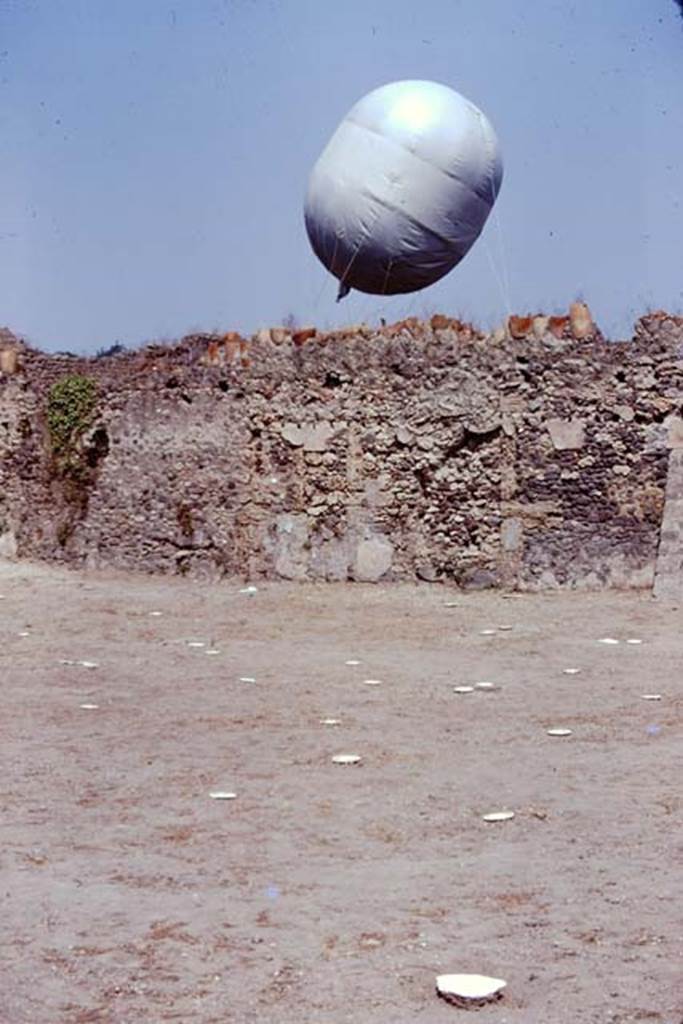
point(403, 188)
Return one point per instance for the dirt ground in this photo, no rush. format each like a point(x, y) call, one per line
point(325, 894)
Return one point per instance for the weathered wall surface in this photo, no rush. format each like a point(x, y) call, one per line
point(530, 459)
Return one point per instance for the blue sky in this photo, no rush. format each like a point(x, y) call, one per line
point(155, 156)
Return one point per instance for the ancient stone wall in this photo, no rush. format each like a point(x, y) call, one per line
point(535, 457)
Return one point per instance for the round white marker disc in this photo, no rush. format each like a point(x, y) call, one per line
point(608, 640)
point(220, 794)
point(346, 758)
point(487, 632)
point(559, 732)
point(571, 671)
point(499, 816)
point(330, 721)
point(352, 661)
point(485, 686)
point(469, 988)
point(247, 679)
point(372, 682)
point(196, 643)
point(89, 707)
point(650, 696)
point(634, 640)
point(463, 689)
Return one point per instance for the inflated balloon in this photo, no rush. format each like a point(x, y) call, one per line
point(403, 188)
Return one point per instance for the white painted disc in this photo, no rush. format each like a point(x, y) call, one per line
point(469, 988)
point(485, 686)
point(499, 816)
point(451, 604)
point(571, 671)
point(463, 689)
point(559, 732)
point(196, 643)
point(634, 640)
point(220, 794)
point(89, 664)
point(24, 632)
point(156, 614)
point(487, 632)
point(248, 590)
point(247, 679)
point(89, 707)
point(608, 640)
point(352, 661)
point(651, 696)
point(213, 650)
point(346, 758)
point(330, 721)
point(372, 682)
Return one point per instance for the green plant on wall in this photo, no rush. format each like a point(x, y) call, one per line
point(71, 403)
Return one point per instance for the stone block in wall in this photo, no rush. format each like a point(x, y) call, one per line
point(511, 551)
point(581, 321)
point(8, 545)
point(427, 572)
point(669, 570)
point(313, 438)
point(331, 559)
point(520, 327)
point(539, 327)
point(508, 479)
point(439, 322)
point(479, 579)
point(566, 434)
point(533, 512)
point(484, 420)
point(291, 546)
point(304, 334)
point(372, 560)
point(511, 534)
point(558, 326)
point(512, 409)
point(674, 429)
point(9, 361)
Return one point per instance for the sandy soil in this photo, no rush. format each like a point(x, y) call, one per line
point(326, 894)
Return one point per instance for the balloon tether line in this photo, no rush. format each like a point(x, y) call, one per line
point(345, 288)
point(502, 279)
